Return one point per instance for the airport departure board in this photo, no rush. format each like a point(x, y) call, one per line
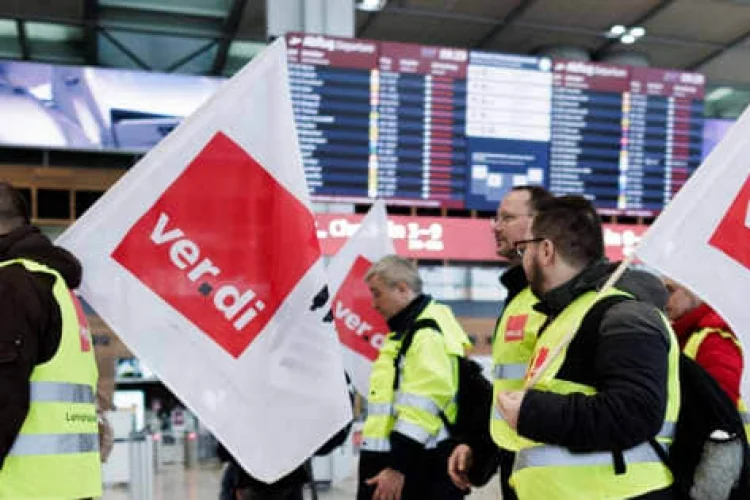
point(439, 126)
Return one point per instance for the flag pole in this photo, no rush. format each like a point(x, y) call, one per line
point(569, 337)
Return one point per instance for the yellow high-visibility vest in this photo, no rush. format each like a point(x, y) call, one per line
point(547, 472)
point(512, 346)
point(428, 385)
point(56, 453)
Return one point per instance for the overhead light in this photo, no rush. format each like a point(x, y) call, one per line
point(616, 30)
point(371, 5)
point(718, 94)
point(625, 34)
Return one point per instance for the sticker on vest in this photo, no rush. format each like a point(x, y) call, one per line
point(515, 327)
point(83, 324)
point(539, 360)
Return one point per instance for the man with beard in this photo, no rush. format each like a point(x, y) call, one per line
point(513, 342)
point(594, 416)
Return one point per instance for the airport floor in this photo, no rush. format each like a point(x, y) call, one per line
point(202, 483)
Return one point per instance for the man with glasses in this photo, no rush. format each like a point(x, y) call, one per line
point(597, 411)
point(513, 343)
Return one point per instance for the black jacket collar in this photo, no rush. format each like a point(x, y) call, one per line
point(514, 280)
point(401, 322)
point(590, 278)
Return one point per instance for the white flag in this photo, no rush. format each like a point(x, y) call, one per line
point(204, 259)
point(360, 327)
point(702, 239)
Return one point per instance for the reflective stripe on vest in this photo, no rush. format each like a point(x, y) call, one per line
point(54, 444)
point(514, 371)
point(417, 401)
point(420, 435)
point(378, 445)
point(61, 392)
point(551, 456)
point(413, 431)
point(379, 409)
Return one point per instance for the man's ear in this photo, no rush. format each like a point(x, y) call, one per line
point(547, 252)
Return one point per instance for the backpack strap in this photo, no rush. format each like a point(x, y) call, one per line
point(406, 343)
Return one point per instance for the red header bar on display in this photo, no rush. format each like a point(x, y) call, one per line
point(452, 238)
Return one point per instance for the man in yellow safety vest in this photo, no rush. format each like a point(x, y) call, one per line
point(601, 405)
point(49, 441)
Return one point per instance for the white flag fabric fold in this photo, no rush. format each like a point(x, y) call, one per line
point(702, 239)
point(204, 259)
point(360, 327)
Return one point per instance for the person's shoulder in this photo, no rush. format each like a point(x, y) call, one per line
point(633, 316)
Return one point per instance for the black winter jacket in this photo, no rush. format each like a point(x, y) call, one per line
point(31, 324)
point(627, 364)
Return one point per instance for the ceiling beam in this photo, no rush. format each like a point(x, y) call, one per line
point(440, 14)
point(229, 31)
point(129, 53)
point(23, 39)
point(186, 59)
point(732, 44)
point(91, 41)
point(643, 18)
point(511, 16)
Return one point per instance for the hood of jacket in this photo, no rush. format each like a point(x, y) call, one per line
point(643, 285)
point(28, 242)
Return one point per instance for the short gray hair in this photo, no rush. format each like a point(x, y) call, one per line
point(393, 270)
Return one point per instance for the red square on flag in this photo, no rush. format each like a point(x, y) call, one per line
point(515, 327)
point(224, 245)
point(732, 235)
point(360, 327)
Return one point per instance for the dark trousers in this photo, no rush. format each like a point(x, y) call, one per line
point(506, 468)
point(426, 480)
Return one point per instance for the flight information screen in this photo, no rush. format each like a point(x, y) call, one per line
point(420, 98)
point(587, 132)
point(664, 136)
point(438, 126)
point(330, 81)
point(508, 118)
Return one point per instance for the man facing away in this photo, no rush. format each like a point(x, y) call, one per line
point(49, 441)
point(596, 411)
point(405, 442)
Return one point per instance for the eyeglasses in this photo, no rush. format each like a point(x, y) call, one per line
point(505, 218)
point(520, 245)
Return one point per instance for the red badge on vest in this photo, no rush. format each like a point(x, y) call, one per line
point(224, 245)
point(514, 328)
point(732, 235)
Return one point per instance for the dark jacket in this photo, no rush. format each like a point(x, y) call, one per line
point(31, 324)
point(626, 363)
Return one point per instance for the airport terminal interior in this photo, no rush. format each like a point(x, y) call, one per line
point(438, 107)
